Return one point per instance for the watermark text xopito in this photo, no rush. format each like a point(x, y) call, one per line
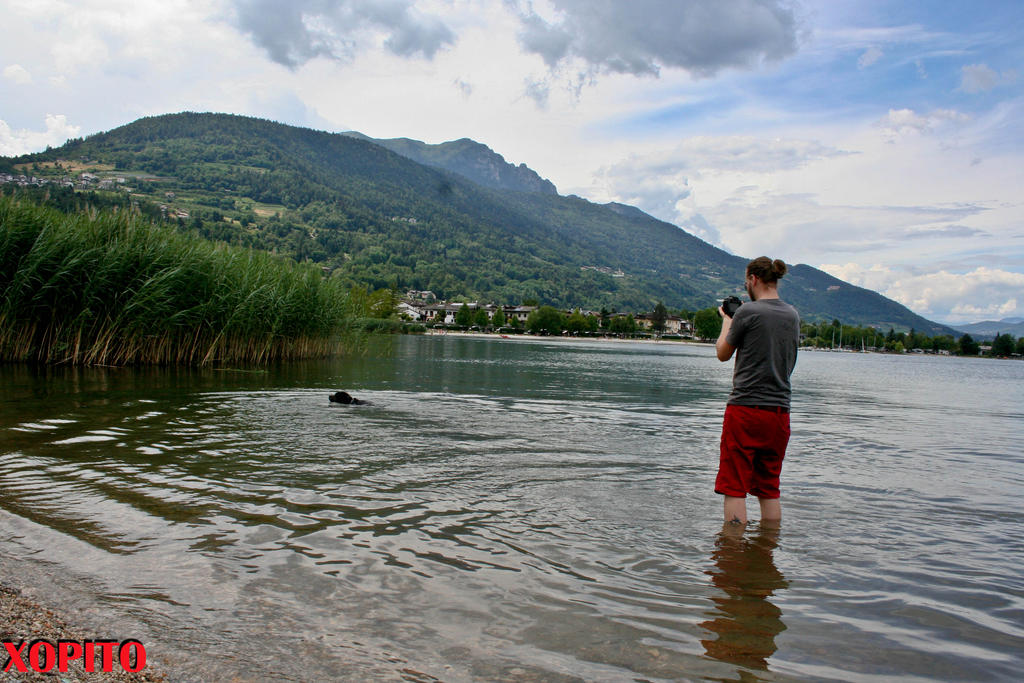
point(44, 656)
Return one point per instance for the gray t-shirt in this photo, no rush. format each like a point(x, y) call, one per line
point(766, 334)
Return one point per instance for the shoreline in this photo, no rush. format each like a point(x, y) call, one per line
point(559, 337)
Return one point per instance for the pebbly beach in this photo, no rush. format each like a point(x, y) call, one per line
point(24, 621)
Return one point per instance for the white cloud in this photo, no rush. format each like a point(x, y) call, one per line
point(981, 293)
point(17, 74)
point(978, 78)
point(870, 56)
point(938, 232)
point(744, 153)
point(17, 142)
point(656, 181)
point(970, 312)
point(876, 277)
point(899, 123)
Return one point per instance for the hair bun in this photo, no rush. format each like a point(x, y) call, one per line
point(778, 268)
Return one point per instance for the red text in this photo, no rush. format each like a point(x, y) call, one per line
point(44, 656)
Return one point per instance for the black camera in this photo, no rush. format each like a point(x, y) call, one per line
point(730, 305)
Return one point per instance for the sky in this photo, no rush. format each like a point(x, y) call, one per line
point(879, 140)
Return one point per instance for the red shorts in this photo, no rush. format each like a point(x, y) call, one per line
point(753, 446)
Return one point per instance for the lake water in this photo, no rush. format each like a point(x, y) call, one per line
point(522, 510)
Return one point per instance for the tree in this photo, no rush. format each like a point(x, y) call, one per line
point(498, 319)
point(1003, 345)
point(464, 318)
point(577, 323)
point(1020, 346)
point(480, 319)
point(658, 317)
point(969, 347)
point(622, 324)
point(383, 303)
point(917, 340)
point(707, 324)
point(545, 319)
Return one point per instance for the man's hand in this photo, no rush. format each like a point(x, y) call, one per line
point(723, 348)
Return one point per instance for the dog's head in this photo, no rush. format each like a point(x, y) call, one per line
point(341, 397)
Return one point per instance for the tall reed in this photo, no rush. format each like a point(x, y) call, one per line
point(113, 289)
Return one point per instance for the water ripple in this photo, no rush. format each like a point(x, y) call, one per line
point(532, 512)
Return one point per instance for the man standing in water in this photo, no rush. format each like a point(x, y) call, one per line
point(764, 335)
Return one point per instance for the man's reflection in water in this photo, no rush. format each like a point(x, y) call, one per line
point(745, 621)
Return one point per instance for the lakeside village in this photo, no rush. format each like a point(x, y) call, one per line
point(425, 308)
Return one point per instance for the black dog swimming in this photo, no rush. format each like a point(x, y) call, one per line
point(347, 399)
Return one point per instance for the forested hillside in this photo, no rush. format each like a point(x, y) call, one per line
point(373, 217)
point(470, 159)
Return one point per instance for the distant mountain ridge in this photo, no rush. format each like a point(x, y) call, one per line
point(988, 329)
point(460, 222)
point(468, 158)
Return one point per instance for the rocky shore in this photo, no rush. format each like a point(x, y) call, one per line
point(24, 620)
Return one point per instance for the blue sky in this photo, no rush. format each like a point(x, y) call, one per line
point(881, 141)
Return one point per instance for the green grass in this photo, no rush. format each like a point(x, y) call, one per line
point(113, 289)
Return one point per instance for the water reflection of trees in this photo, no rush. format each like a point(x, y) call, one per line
point(745, 621)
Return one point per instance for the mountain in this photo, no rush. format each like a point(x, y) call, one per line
point(988, 329)
point(452, 218)
point(468, 158)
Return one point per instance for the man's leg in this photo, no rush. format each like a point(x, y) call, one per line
point(768, 468)
point(735, 510)
point(771, 509)
point(733, 467)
